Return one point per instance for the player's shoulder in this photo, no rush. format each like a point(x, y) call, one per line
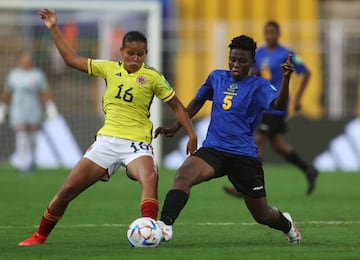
point(151, 70)
point(15, 73)
point(258, 81)
point(16, 70)
point(261, 49)
point(283, 49)
point(37, 71)
point(220, 73)
point(106, 62)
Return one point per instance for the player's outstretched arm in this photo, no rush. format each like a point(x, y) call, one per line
point(67, 52)
point(183, 118)
point(303, 84)
point(282, 99)
point(192, 109)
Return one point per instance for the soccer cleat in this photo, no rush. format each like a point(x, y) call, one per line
point(311, 175)
point(233, 192)
point(34, 240)
point(293, 236)
point(166, 230)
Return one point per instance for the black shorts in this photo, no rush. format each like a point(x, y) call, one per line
point(244, 172)
point(271, 125)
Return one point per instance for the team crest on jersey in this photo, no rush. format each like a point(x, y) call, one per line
point(231, 90)
point(233, 86)
point(141, 80)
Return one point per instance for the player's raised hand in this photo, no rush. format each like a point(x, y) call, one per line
point(287, 68)
point(49, 18)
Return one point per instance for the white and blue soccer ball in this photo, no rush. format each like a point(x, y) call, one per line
point(144, 232)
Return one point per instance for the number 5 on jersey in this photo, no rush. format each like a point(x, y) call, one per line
point(227, 102)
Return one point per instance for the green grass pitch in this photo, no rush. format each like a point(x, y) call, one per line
point(212, 226)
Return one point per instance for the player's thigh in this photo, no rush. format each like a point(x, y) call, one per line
point(247, 175)
point(264, 127)
point(193, 171)
point(83, 175)
point(261, 139)
point(279, 144)
point(142, 169)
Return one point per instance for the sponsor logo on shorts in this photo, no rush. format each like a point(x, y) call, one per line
point(258, 188)
point(264, 127)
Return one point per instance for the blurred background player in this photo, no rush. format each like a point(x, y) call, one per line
point(26, 88)
point(125, 138)
point(229, 148)
point(272, 126)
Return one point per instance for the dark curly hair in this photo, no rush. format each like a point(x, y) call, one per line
point(245, 43)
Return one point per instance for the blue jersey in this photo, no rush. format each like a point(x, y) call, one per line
point(236, 109)
point(268, 66)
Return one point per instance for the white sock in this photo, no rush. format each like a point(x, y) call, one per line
point(33, 138)
point(23, 150)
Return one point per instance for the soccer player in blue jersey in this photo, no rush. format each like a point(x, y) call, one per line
point(238, 101)
point(272, 126)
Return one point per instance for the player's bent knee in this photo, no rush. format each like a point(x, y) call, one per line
point(183, 180)
point(148, 177)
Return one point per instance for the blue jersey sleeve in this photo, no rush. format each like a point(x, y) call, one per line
point(206, 91)
point(268, 93)
point(299, 66)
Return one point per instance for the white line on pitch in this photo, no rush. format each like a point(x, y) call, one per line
point(332, 222)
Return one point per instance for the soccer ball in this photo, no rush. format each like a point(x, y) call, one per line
point(144, 232)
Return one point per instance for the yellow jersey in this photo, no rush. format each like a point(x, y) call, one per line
point(128, 97)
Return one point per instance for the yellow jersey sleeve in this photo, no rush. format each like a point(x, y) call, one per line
point(162, 89)
point(97, 67)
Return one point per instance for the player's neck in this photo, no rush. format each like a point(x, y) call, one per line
point(272, 46)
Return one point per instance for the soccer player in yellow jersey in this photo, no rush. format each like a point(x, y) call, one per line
point(125, 138)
